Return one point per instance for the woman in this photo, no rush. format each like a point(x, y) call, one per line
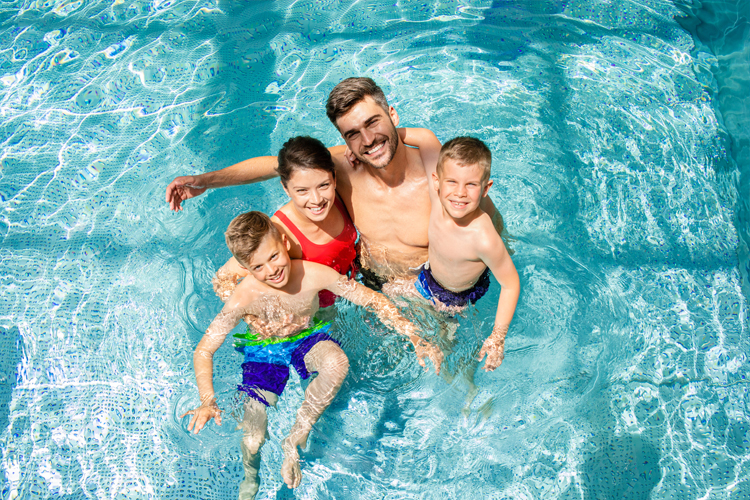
point(315, 221)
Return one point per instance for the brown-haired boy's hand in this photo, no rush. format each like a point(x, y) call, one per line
point(201, 416)
point(181, 189)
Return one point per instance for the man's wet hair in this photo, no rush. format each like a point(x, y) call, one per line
point(351, 92)
point(466, 151)
point(305, 153)
point(246, 232)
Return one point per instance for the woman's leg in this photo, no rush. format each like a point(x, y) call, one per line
point(332, 365)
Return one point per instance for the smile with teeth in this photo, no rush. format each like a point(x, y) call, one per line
point(277, 278)
point(319, 209)
point(459, 204)
point(375, 149)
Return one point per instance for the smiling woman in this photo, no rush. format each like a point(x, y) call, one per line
point(315, 222)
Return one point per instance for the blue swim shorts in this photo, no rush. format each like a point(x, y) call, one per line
point(431, 290)
point(267, 361)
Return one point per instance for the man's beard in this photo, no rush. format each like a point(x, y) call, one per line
point(392, 145)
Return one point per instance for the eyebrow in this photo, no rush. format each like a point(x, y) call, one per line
point(367, 122)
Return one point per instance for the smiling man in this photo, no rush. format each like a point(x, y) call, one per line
point(383, 183)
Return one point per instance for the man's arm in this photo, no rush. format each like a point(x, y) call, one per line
point(245, 172)
point(493, 253)
point(226, 278)
point(203, 365)
point(387, 313)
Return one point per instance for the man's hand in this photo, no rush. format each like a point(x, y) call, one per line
point(494, 349)
point(429, 350)
point(181, 189)
point(202, 415)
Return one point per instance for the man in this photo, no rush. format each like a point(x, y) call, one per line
point(383, 183)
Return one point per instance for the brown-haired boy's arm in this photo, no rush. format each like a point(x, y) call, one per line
point(203, 364)
point(387, 313)
point(245, 172)
point(493, 253)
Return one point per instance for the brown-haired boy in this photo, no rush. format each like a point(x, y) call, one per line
point(279, 298)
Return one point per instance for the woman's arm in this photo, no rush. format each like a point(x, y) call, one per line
point(245, 172)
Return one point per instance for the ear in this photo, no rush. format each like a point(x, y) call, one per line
point(286, 242)
point(435, 182)
point(487, 188)
point(284, 188)
point(393, 115)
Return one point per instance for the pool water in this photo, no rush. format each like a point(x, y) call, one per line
point(621, 166)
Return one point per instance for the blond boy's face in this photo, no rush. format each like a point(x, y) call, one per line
point(270, 264)
point(460, 188)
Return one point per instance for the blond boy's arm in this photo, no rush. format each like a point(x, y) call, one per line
point(429, 149)
point(203, 365)
point(428, 144)
point(493, 253)
point(387, 313)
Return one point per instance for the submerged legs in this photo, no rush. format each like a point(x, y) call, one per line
point(332, 365)
point(254, 426)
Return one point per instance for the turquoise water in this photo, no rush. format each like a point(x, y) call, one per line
point(620, 165)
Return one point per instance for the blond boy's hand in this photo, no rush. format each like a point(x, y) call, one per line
point(428, 350)
point(353, 160)
point(201, 416)
point(494, 349)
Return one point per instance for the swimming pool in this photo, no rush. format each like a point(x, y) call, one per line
point(624, 193)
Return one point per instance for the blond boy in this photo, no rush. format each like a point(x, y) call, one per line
point(464, 245)
point(279, 298)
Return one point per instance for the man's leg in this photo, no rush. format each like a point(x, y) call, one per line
point(332, 365)
point(254, 429)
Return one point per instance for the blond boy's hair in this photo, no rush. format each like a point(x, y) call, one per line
point(466, 151)
point(246, 232)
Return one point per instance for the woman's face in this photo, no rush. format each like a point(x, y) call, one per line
point(312, 192)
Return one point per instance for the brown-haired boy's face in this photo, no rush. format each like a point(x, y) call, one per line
point(370, 132)
point(270, 264)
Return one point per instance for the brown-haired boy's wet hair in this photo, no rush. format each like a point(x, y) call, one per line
point(303, 153)
point(350, 92)
point(466, 151)
point(246, 232)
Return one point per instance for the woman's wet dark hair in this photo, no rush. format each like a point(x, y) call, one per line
point(303, 152)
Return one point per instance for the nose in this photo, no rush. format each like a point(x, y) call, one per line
point(270, 269)
point(315, 197)
point(461, 190)
point(367, 137)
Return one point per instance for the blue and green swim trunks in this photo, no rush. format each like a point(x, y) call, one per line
point(267, 361)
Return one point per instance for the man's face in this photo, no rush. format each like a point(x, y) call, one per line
point(370, 132)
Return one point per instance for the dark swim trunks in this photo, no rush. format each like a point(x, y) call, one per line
point(368, 278)
point(267, 361)
point(432, 290)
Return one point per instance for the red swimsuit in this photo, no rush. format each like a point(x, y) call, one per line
point(338, 253)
